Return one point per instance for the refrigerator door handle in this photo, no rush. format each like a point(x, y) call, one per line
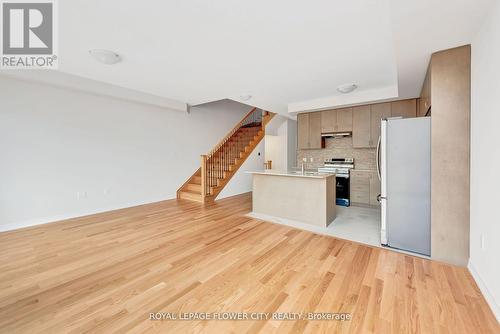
point(378, 158)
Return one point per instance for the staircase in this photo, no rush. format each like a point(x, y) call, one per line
point(221, 163)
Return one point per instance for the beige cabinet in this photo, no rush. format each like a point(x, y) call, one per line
point(315, 130)
point(365, 187)
point(344, 120)
point(329, 121)
point(339, 120)
point(361, 126)
point(360, 188)
point(303, 131)
point(379, 111)
point(366, 124)
point(309, 131)
point(404, 108)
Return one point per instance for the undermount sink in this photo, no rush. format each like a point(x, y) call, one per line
point(298, 172)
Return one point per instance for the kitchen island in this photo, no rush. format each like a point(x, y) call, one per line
point(302, 197)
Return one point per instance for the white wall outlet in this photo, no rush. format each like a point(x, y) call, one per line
point(81, 195)
point(311, 159)
point(483, 242)
point(304, 159)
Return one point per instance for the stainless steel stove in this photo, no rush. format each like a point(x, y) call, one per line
point(341, 167)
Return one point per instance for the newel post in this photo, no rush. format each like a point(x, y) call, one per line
point(203, 177)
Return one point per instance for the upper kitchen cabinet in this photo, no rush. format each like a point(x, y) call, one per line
point(344, 120)
point(339, 120)
point(309, 131)
point(329, 121)
point(303, 131)
point(366, 124)
point(404, 108)
point(361, 133)
point(315, 130)
point(379, 111)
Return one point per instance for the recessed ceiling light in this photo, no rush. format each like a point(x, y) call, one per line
point(344, 89)
point(245, 97)
point(105, 56)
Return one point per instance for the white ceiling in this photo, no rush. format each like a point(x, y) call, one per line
point(289, 55)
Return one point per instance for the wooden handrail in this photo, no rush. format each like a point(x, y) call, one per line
point(230, 133)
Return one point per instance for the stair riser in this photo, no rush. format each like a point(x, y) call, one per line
point(194, 187)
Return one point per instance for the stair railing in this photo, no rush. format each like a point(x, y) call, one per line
point(220, 159)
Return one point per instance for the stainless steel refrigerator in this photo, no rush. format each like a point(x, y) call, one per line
point(404, 166)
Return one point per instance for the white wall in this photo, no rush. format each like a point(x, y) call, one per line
point(66, 153)
point(281, 143)
point(485, 160)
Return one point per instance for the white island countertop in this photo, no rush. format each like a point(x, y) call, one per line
point(309, 174)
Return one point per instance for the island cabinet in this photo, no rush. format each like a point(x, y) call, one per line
point(309, 131)
point(339, 120)
point(307, 199)
point(365, 187)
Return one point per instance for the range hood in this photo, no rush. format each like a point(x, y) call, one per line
point(336, 134)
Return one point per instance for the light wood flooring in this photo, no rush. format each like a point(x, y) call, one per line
point(105, 273)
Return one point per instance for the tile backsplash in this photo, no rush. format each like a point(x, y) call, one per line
point(364, 158)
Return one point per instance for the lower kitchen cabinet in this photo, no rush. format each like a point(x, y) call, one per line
point(365, 187)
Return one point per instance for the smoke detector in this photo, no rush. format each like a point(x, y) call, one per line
point(345, 89)
point(105, 56)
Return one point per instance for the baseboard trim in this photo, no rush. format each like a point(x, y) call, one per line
point(484, 290)
point(79, 214)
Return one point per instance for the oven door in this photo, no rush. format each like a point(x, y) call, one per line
point(342, 190)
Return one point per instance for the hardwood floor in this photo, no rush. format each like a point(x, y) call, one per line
point(106, 273)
